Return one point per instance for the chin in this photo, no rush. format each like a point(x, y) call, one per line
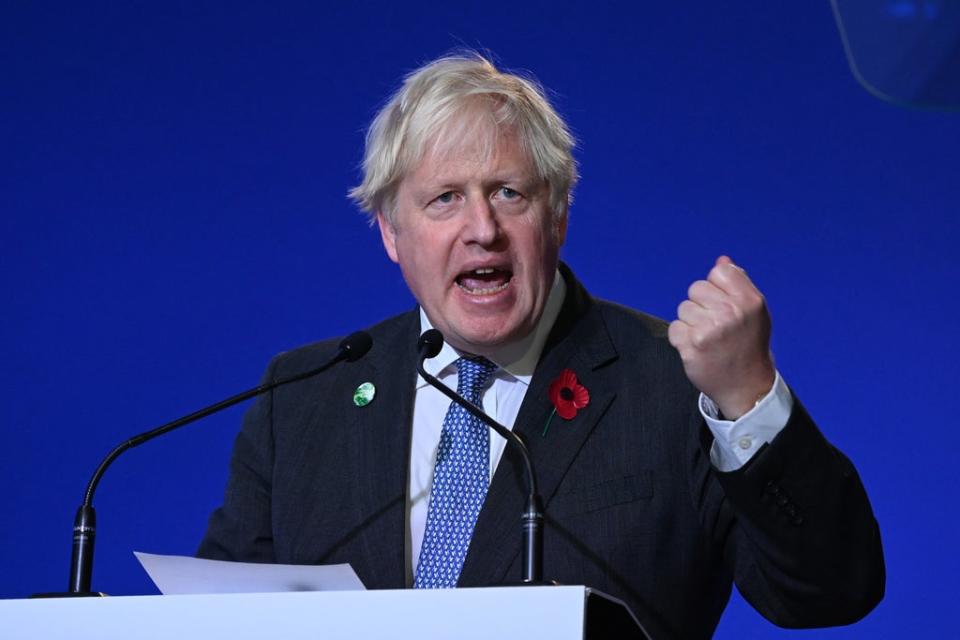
point(480, 341)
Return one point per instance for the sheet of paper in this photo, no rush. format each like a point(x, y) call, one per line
point(183, 575)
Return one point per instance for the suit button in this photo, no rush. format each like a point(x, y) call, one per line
point(772, 488)
point(782, 499)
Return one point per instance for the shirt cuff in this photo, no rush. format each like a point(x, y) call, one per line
point(735, 442)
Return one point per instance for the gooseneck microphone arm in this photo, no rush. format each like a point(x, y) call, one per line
point(429, 346)
point(352, 348)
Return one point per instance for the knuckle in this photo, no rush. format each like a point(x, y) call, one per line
point(724, 316)
point(737, 314)
point(699, 340)
point(752, 305)
point(732, 312)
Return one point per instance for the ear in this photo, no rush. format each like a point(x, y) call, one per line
point(562, 230)
point(388, 233)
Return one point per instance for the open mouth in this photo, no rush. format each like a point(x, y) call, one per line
point(484, 281)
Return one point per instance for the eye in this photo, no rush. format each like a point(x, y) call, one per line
point(445, 198)
point(508, 193)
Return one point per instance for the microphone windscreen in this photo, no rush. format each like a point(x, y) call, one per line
point(356, 345)
point(430, 343)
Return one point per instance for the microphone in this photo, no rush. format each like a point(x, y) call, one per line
point(428, 346)
point(351, 348)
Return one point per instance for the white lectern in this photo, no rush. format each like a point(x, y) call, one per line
point(500, 613)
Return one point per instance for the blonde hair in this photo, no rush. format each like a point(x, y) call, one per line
point(446, 93)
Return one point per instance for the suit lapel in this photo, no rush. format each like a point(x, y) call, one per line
point(378, 440)
point(579, 341)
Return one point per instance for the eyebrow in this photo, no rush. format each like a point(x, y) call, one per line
point(496, 179)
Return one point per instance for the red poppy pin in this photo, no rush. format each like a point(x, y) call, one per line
point(567, 395)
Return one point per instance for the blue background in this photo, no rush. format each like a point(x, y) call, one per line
point(173, 207)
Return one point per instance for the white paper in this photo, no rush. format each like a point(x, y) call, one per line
point(186, 575)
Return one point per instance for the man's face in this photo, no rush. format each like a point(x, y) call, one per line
point(475, 241)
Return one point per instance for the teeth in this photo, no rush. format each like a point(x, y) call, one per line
point(483, 271)
point(485, 290)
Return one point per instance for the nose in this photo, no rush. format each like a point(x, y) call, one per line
point(481, 225)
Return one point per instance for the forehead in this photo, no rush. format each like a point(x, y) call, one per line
point(470, 148)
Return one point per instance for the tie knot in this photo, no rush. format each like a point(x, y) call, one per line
point(473, 374)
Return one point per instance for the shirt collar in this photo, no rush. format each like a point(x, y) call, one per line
point(518, 359)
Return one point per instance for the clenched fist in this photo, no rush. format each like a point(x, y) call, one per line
point(722, 332)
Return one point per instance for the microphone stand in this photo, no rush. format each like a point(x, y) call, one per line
point(352, 348)
point(429, 346)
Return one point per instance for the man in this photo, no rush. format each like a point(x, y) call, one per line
point(654, 493)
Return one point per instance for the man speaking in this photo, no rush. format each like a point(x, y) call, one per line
point(673, 460)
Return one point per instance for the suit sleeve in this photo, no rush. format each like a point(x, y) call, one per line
point(796, 529)
point(241, 529)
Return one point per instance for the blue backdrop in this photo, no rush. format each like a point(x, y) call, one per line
point(173, 207)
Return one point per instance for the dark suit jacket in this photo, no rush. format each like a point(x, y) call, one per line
point(633, 505)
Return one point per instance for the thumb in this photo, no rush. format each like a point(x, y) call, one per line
point(724, 260)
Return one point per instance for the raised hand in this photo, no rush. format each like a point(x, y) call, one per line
point(722, 332)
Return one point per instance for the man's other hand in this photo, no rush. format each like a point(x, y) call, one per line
point(722, 332)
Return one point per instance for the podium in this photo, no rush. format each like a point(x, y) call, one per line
point(492, 613)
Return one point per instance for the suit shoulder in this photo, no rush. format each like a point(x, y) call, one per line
point(622, 319)
point(641, 339)
point(387, 334)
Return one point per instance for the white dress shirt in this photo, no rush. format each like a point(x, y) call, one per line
point(734, 442)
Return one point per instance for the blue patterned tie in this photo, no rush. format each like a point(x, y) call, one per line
point(460, 480)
